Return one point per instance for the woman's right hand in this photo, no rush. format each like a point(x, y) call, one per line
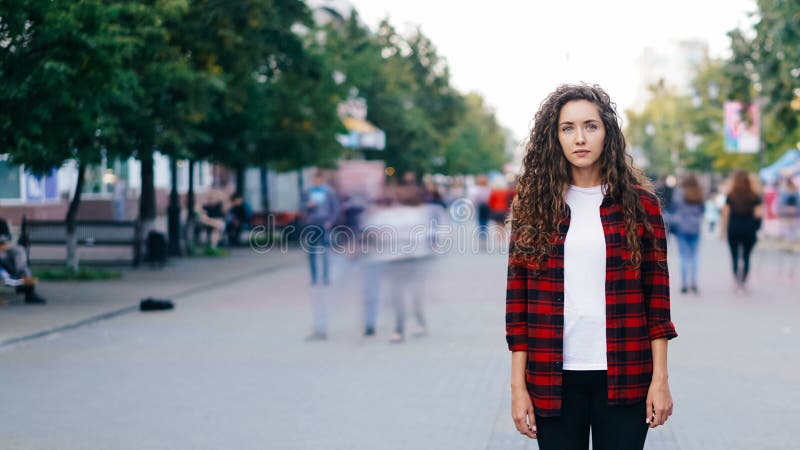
point(522, 412)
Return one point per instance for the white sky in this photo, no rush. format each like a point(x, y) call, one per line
point(514, 52)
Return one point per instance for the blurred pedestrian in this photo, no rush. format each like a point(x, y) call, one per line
point(431, 194)
point(587, 300)
point(399, 241)
point(319, 210)
point(687, 218)
point(407, 190)
point(741, 219)
point(663, 189)
point(480, 198)
point(788, 212)
point(713, 209)
point(119, 198)
point(457, 190)
point(498, 209)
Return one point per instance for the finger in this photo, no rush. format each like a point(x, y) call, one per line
point(531, 424)
point(532, 420)
point(519, 422)
point(648, 411)
point(657, 420)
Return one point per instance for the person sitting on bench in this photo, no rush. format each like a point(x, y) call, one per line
point(212, 217)
point(14, 269)
point(238, 219)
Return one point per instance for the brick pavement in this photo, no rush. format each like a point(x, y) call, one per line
point(228, 369)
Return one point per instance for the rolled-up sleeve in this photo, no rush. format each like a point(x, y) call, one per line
point(516, 303)
point(655, 275)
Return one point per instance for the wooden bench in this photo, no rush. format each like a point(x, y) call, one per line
point(279, 221)
point(89, 233)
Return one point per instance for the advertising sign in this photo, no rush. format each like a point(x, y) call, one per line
point(742, 127)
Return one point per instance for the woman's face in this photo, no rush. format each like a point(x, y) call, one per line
point(581, 133)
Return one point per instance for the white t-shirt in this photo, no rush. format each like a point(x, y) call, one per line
point(585, 282)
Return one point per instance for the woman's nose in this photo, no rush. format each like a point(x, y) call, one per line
point(580, 137)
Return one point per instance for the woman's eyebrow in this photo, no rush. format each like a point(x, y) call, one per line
point(572, 123)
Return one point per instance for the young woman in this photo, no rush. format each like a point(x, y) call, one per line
point(687, 218)
point(741, 219)
point(587, 304)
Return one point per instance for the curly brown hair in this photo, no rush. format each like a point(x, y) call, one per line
point(540, 207)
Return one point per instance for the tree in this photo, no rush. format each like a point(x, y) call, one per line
point(259, 56)
point(476, 143)
point(660, 128)
point(406, 87)
point(765, 66)
point(60, 66)
point(169, 100)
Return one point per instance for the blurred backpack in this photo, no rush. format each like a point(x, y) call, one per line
point(155, 304)
point(156, 248)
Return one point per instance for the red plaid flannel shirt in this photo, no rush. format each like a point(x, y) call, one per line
point(637, 310)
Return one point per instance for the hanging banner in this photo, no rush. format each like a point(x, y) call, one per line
point(742, 127)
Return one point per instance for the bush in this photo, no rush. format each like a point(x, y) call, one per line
point(215, 252)
point(82, 274)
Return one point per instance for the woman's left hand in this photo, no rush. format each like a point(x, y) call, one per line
point(658, 404)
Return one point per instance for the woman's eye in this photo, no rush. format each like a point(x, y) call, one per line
point(566, 129)
point(592, 126)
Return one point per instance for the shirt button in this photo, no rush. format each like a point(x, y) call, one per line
point(557, 299)
point(557, 365)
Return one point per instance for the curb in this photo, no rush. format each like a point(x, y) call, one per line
point(12, 342)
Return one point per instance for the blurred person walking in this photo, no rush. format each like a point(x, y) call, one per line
point(687, 218)
point(119, 198)
point(788, 211)
point(587, 300)
point(713, 209)
point(319, 210)
point(498, 208)
point(400, 240)
point(408, 271)
point(480, 199)
point(741, 219)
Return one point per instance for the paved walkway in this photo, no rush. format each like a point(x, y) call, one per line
point(76, 303)
point(229, 369)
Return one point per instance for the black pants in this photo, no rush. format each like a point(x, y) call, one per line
point(741, 243)
point(585, 405)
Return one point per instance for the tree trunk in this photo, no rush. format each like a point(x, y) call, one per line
point(190, 193)
point(71, 219)
point(147, 199)
point(189, 227)
point(240, 180)
point(264, 179)
point(174, 210)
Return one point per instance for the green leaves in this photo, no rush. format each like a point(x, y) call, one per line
point(764, 65)
point(240, 82)
point(406, 84)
